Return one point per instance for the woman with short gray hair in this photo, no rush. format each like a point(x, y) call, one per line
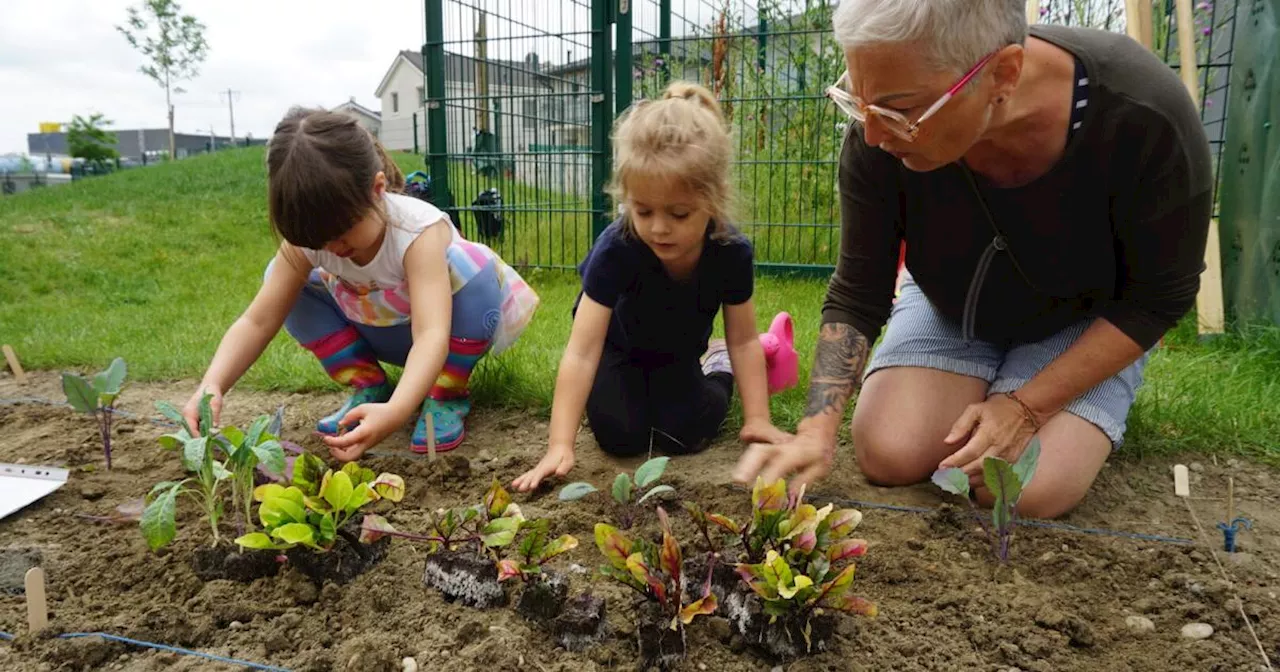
point(1053, 188)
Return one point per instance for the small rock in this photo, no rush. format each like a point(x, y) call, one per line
point(1233, 463)
point(776, 668)
point(1197, 630)
point(1047, 556)
point(236, 625)
point(965, 555)
point(1066, 548)
point(124, 658)
point(409, 665)
point(915, 544)
point(484, 456)
point(92, 491)
point(1196, 556)
point(1196, 466)
point(702, 666)
point(1139, 624)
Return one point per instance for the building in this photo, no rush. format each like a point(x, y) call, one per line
point(132, 144)
point(370, 119)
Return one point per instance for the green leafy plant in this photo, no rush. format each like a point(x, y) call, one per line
point(1006, 483)
point(628, 493)
point(97, 397)
point(789, 526)
point(313, 510)
point(198, 457)
point(244, 452)
point(492, 524)
point(533, 551)
point(88, 139)
point(654, 571)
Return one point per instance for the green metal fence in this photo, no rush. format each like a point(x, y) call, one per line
point(521, 96)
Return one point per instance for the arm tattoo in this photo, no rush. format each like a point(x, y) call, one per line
point(837, 369)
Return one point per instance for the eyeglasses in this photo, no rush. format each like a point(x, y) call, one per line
point(893, 120)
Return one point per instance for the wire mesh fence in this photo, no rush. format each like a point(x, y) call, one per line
point(521, 96)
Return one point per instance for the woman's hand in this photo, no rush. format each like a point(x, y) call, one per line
point(191, 410)
point(997, 427)
point(376, 422)
point(557, 461)
point(806, 454)
point(762, 431)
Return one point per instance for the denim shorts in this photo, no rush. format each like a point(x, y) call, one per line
point(918, 335)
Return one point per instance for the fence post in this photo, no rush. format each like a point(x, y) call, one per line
point(623, 61)
point(415, 133)
point(437, 131)
point(601, 112)
point(664, 39)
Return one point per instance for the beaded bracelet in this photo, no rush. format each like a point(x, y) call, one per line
point(1026, 410)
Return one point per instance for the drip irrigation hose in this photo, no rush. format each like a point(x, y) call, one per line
point(815, 495)
point(164, 647)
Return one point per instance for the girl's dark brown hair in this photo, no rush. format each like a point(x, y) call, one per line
point(321, 167)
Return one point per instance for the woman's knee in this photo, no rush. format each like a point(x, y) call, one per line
point(891, 453)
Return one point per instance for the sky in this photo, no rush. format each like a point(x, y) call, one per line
point(65, 57)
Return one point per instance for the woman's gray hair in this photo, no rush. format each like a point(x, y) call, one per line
point(954, 34)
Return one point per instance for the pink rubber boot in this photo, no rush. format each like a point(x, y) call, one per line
point(780, 358)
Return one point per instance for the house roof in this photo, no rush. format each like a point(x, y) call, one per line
point(462, 68)
point(358, 108)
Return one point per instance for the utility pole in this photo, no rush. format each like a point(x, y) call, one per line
point(231, 110)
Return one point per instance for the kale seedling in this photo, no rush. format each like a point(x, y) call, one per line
point(627, 493)
point(158, 523)
point(1006, 484)
point(313, 510)
point(654, 571)
point(97, 398)
point(244, 452)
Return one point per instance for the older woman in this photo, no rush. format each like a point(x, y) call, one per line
point(1053, 187)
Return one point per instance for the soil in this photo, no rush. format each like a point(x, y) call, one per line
point(660, 645)
point(344, 562)
point(1061, 603)
point(466, 577)
point(228, 562)
point(542, 600)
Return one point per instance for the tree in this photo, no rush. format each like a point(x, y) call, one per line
point(88, 139)
point(172, 42)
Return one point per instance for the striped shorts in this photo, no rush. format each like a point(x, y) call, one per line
point(918, 335)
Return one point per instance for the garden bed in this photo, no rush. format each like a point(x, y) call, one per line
point(1066, 601)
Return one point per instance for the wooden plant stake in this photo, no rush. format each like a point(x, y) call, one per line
point(431, 437)
point(12, 357)
point(37, 604)
point(1181, 481)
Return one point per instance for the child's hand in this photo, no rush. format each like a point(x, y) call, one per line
point(557, 461)
point(762, 431)
point(376, 422)
point(191, 411)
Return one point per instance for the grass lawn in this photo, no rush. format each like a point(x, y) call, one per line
point(153, 264)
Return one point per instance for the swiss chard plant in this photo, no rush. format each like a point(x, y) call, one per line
point(628, 493)
point(490, 525)
point(199, 458)
point(654, 571)
point(1006, 483)
point(313, 510)
point(535, 549)
point(97, 397)
point(787, 525)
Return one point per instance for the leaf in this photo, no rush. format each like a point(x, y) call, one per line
point(613, 545)
point(79, 393)
point(271, 455)
point(657, 490)
point(848, 548)
point(842, 522)
point(770, 498)
point(1004, 487)
point(669, 556)
point(496, 499)
point(316, 504)
point(508, 569)
point(838, 586)
point(389, 486)
point(362, 495)
point(279, 511)
point(232, 440)
point(534, 541)
point(257, 540)
point(622, 489)
point(327, 530)
point(295, 533)
point(206, 414)
point(193, 454)
point(175, 440)
point(109, 381)
point(157, 522)
point(308, 470)
point(374, 528)
point(651, 471)
point(220, 472)
point(277, 422)
point(336, 490)
point(352, 470)
point(725, 522)
point(564, 544)
point(642, 573)
point(705, 606)
point(264, 492)
point(167, 410)
point(798, 583)
point(856, 605)
point(499, 532)
point(952, 480)
point(576, 491)
point(1025, 467)
point(257, 428)
point(132, 509)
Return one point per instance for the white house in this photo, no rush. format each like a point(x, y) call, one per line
point(371, 120)
point(513, 92)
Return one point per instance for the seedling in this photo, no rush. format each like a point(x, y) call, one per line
point(533, 552)
point(97, 398)
point(1006, 483)
point(789, 526)
point(158, 518)
point(245, 451)
point(629, 494)
point(313, 510)
point(653, 571)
